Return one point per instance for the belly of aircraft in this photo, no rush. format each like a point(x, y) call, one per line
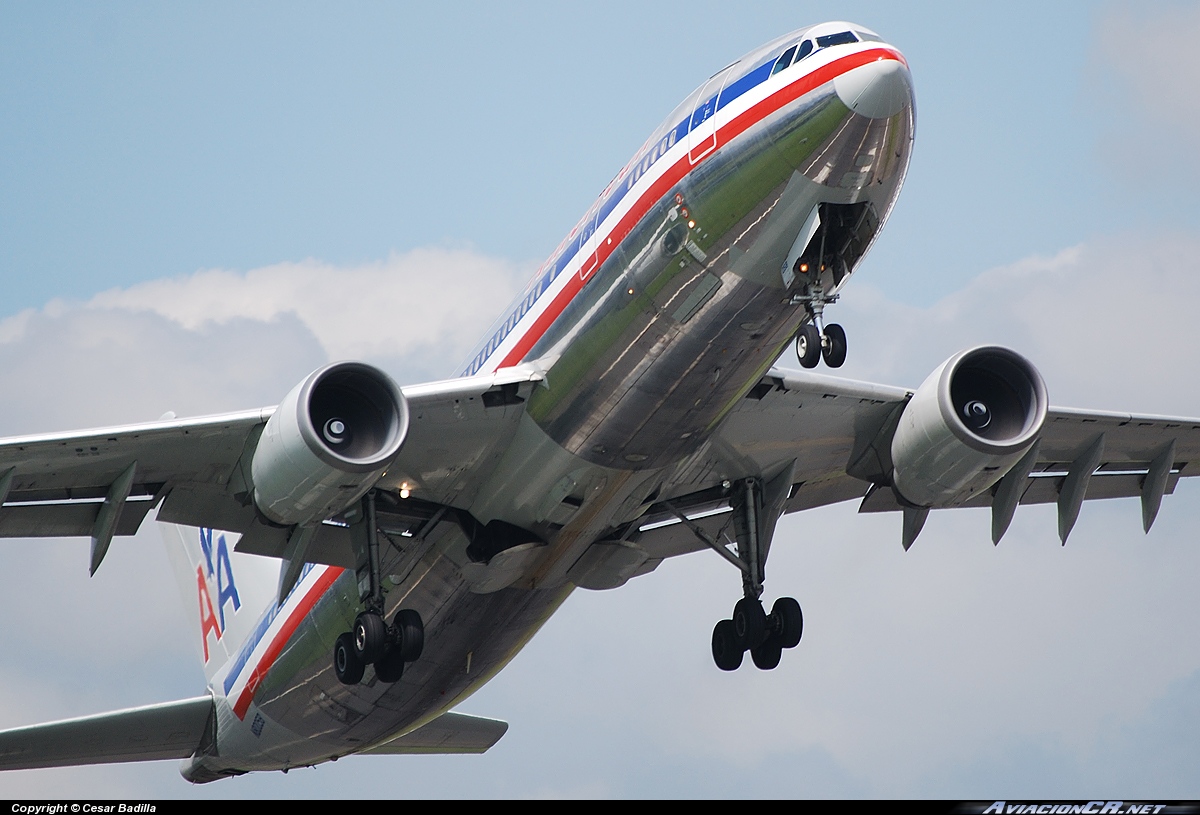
point(647, 360)
point(694, 305)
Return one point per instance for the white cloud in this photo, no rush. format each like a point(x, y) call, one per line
point(428, 301)
point(1143, 76)
point(1107, 323)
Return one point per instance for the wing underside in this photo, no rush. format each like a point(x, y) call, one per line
point(103, 483)
point(829, 432)
point(832, 433)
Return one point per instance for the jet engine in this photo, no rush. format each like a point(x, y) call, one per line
point(967, 425)
point(328, 442)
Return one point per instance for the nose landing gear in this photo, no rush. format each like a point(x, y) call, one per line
point(814, 342)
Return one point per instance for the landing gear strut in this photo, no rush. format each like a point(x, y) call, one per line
point(372, 641)
point(815, 340)
point(750, 627)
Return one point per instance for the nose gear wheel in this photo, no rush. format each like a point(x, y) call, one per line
point(814, 339)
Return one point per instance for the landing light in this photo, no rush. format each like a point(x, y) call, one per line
point(691, 224)
point(405, 490)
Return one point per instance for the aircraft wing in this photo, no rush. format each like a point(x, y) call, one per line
point(831, 436)
point(103, 482)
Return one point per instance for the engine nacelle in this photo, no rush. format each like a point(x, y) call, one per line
point(328, 442)
point(967, 425)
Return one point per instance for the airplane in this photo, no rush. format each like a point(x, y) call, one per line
point(624, 410)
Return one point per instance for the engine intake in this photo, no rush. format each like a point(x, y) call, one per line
point(328, 442)
point(967, 425)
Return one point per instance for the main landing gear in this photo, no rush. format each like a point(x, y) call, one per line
point(750, 627)
point(814, 342)
point(372, 641)
point(763, 635)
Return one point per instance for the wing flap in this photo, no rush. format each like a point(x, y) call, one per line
point(1038, 490)
point(61, 520)
point(449, 733)
point(171, 730)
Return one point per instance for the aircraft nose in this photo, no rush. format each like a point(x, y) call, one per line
point(876, 90)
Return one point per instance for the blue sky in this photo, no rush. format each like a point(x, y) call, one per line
point(202, 203)
point(141, 141)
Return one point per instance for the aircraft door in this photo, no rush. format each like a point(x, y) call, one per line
point(589, 244)
point(702, 135)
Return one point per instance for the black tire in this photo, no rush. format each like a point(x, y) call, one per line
point(834, 350)
point(749, 623)
point(390, 667)
point(767, 655)
point(726, 651)
point(346, 664)
point(409, 634)
point(787, 622)
point(370, 636)
point(808, 345)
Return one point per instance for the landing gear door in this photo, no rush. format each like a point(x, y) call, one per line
point(702, 135)
point(811, 225)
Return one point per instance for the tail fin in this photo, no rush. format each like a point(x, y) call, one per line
point(225, 593)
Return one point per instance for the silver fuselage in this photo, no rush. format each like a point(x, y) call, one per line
point(680, 298)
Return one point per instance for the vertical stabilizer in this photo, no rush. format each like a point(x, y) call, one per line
point(224, 592)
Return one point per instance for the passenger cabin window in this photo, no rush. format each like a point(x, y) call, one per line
point(841, 38)
point(784, 60)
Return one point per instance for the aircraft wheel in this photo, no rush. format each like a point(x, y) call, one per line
point(726, 651)
point(749, 623)
point(808, 345)
point(390, 666)
point(834, 349)
point(410, 634)
point(787, 622)
point(370, 636)
point(346, 664)
point(766, 656)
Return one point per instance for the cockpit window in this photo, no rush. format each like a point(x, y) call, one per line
point(841, 38)
point(806, 48)
point(868, 37)
point(784, 60)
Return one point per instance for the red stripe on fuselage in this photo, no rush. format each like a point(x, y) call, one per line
point(677, 172)
point(273, 651)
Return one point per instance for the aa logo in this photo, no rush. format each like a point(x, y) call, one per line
point(215, 569)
